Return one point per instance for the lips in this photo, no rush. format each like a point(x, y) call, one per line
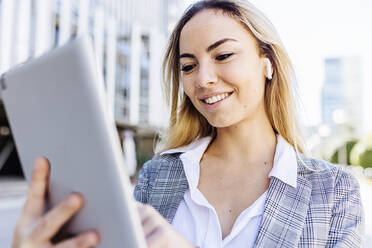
point(212, 103)
point(216, 97)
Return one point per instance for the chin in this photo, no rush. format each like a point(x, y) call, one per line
point(221, 123)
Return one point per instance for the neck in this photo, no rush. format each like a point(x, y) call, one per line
point(252, 141)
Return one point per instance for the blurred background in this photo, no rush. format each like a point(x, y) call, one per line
point(329, 42)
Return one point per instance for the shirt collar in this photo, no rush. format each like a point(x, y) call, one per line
point(190, 157)
point(285, 162)
point(285, 159)
point(197, 146)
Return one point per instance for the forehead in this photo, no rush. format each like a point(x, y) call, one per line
point(209, 26)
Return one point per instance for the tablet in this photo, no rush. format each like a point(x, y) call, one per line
point(56, 108)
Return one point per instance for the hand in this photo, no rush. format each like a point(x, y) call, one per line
point(34, 229)
point(158, 232)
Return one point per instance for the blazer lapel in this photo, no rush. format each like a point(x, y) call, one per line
point(285, 213)
point(169, 188)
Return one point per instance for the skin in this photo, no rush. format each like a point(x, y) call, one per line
point(36, 228)
point(245, 142)
point(244, 145)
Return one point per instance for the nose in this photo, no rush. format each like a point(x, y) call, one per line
point(206, 75)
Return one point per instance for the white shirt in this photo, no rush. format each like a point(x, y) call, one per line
point(197, 220)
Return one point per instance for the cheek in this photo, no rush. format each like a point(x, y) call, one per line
point(247, 79)
point(189, 90)
point(243, 68)
point(244, 76)
point(188, 87)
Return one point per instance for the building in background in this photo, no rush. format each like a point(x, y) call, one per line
point(341, 106)
point(342, 92)
point(129, 38)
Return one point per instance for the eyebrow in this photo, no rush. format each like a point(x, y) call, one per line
point(210, 48)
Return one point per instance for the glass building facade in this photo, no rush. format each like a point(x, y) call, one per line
point(123, 33)
point(128, 37)
point(342, 93)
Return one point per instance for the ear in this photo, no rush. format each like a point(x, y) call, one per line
point(269, 69)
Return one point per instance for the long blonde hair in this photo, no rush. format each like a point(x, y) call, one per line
point(186, 123)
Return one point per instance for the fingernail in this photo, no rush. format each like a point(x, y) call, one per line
point(41, 161)
point(92, 238)
point(75, 200)
point(46, 159)
point(79, 195)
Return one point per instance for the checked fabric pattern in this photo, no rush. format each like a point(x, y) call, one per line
point(324, 210)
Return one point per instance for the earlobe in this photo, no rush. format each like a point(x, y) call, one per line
point(269, 70)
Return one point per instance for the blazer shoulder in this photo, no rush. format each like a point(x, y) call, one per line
point(153, 175)
point(149, 173)
point(160, 161)
point(336, 189)
point(310, 165)
point(319, 170)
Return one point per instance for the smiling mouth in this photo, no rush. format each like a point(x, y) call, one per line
point(217, 98)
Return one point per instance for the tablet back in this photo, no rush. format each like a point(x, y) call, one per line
point(56, 108)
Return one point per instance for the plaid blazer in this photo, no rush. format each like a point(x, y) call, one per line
point(324, 210)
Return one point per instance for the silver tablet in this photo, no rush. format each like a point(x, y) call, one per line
point(56, 108)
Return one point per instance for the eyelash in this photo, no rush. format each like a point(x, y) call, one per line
point(187, 68)
point(221, 57)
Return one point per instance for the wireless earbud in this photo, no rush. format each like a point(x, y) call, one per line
point(269, 69)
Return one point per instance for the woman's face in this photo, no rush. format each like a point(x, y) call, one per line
point(222, 71)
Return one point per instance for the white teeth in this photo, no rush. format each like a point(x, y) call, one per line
point(217, 98)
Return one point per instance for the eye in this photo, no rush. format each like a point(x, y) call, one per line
point(187, 68)
point(223, 56)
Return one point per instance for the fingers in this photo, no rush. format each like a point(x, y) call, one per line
point(157, 239)
point(36, 229)
point(88, 239)
point(158, 232)
point(34, 205)
point(153, 225)
point(150, 224)
point(49, 225)
point(148, 217)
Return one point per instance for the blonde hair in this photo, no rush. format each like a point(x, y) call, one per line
point(187, 124)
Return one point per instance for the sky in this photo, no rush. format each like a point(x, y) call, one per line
point(314, 30)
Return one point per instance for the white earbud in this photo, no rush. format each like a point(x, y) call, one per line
point(269, 69)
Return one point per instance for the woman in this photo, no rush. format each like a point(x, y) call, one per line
point(230, 171)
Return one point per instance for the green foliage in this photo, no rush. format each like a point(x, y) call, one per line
point(334, 157)
point(361, 154)
point(349, 146)
point(365, 159)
